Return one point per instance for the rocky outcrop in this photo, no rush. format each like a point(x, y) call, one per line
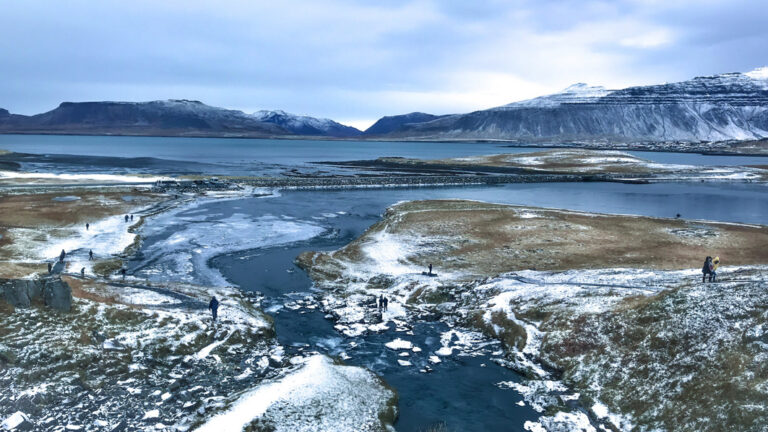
point(22, 293)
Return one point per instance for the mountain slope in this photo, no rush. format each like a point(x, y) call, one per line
point(720, 107)
point(391, 124)
point(140, 118)
point(304, 125)
point(169, 117)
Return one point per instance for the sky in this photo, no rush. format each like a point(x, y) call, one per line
point(356, 61)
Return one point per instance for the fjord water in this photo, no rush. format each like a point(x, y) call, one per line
point(462, 391)
point(229, 156)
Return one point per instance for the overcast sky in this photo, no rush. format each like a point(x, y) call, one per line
point(355, 61)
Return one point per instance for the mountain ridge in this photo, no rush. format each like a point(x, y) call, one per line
point(723, 107)
point(710, 108)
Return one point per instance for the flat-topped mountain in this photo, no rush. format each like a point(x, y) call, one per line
point(168, 117)
point(721, 107)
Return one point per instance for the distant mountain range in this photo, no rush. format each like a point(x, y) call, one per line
point(732, 106)
point(170, 117)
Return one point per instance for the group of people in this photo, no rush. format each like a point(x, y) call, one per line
point(382, 303)
point(710, 268)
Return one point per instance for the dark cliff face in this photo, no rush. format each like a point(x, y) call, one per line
point(721, 107)
point(391, 124)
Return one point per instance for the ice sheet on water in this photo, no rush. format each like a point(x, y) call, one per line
point(184, 254)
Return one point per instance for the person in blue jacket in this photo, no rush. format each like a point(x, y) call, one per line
point(214, 307)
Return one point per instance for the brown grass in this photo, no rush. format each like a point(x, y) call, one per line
point(108, 267)
point(488, 239)
point(39, 209)
point(85, 290)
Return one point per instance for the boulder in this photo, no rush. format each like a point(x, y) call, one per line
point(17, 421)
point(22, 293)
point(16, 293)
point(58, 295)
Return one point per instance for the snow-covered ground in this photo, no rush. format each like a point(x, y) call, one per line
point(317, 395)
point(587, 336)
point(105, 178)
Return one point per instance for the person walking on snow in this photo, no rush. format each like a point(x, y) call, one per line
point(62, 255)
point(707, 270)
point(715, 265)
point(214, 307)
point(126, 218)
point(90, 255)
point(87, 225)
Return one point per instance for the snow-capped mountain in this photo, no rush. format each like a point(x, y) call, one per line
point(168, 117)
point(721, 107)
point(304, 125)
point(176, 117)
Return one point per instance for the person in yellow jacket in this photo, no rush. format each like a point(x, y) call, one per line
point(715, 265)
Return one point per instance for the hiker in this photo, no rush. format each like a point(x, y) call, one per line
point(87, 226)
point(677, 216)
point(90, 255)
point(384, 303)
point(50, 268)
point(715, 265)
point(214, 307)
point(122, 271)
point(62, 255)
point(82, 272)
point(131, 218)
point(430, 270)
point(707, 269)
point(380, 302)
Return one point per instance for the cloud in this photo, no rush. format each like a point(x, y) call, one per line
point(360, 60)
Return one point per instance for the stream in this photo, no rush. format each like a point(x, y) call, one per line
point(252, 243)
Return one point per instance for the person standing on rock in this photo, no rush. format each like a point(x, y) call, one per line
point(122, 271)
point(430, 270)
point(213, 305)
point(90, 255)
point(62, 255)
point(50, 268)
point(82, 272)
